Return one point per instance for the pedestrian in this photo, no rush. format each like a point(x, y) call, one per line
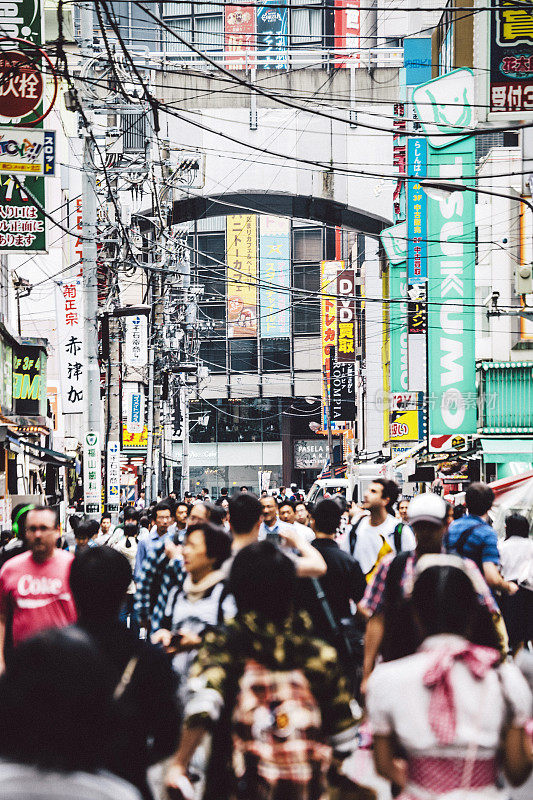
point(56, 721)
point(390, 631)
point(34, 586)
point(379, 533)
point(403, 504)
point(148, 721)
point(309, 562)
point(17, 543)
point(141, 501)
point(202, 602)
point(163, 521)
point(301, 514)
point(82, 537)
point(516, 554)
point(243, 489)
point(328, 599)
point(450, 708)
point(472, 537)
point(127, 545)
point(106, 529)
point(286, 511)
point(274, 696)
point(245, 517)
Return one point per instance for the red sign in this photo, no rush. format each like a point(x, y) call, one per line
point(239, 33)
point(21, 85)
point(347, 30)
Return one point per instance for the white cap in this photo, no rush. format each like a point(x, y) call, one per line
point(427, 507)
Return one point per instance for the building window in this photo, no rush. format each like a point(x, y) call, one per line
point(213, 354)
point(243, 355)
point(211, 274)
point(201, 24)
point(276, 355)
point(306, 306)
point(307, 244)
point(306, 24)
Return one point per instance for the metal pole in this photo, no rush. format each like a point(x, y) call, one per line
point(90, 277)
point(150, 420)
point(185, 469)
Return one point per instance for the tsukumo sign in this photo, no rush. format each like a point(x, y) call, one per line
point(445, 110)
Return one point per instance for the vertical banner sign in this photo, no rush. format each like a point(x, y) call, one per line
point(510, 72)
point(346, 321)
point(92, 473)
point(417, 310)
point(239, 32)
point(136, 341)
point(342, 390)
point(22, 224)
point(70, 319)
point(134, 402)
point(328, 321)
point(274, 276)
point(272, 30)
point(417, 262)
point(241, 258)
point(347, 32)
point(445, 106)
point(113, 476)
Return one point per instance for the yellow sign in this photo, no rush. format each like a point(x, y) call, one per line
point(328, 320)
point(404, 425)
point(241, 258)
point(134, 441)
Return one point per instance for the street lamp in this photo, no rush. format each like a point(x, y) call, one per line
point(440, 189)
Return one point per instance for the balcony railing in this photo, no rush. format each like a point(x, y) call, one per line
point(506, 397)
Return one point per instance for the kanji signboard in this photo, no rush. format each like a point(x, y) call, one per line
point(113, 476)
point(136, 341)
point(70, 310)
point(239, 36)
point(241, 244)
point(22, 223)
point(510, 58)
point(346, 320)
point(417, 261)
point(92, 473)
point(328, 320)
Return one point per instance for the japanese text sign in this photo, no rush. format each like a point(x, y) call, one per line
point(417, 262)
point(510, 70)
point(241, 258)
point(71, 345)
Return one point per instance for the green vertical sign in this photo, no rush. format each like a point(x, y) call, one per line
point(452, 376)
point(22, 224)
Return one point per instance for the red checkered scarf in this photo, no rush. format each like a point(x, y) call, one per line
point(442, 716)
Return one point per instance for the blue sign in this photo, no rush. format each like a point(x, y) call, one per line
point(272, 30)
point(136, 408)
point(274, 276)
point(417, 235)
point(49, 152)
point(417, 60)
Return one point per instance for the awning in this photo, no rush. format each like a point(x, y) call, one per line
point(44, 455)
point(505, 451)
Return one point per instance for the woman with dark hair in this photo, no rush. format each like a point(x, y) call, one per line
point(450, 706)
point(56, 714)
point(516, 564)
point(203, 602)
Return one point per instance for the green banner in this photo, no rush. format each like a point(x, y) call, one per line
point(22, 224)
point(451, 261)
point(399, 376)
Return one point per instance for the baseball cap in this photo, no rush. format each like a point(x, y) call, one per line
point(428, 507)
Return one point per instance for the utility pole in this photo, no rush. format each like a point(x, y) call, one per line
point(90, 277)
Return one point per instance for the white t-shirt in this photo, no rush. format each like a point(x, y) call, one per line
point(398, 703)
point(516, 557)
point(26, 782)
point(370, 540)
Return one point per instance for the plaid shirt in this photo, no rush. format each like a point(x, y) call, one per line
point(156, 566)
point(373, 599)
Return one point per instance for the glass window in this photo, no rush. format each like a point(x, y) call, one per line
point(276, 355)
point(306, 23)
point(306, 307)
point(243, 355)
point(212, 275)
point(213, 353)
point(209, 32)
point(183, 27)
point(307, 244)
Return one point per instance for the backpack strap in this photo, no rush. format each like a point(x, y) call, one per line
point(398, 537)
point(463, 538)
point(352, 536)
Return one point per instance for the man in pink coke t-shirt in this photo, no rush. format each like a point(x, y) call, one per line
point(34, 586)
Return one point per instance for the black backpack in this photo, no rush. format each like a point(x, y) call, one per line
point(400, 637)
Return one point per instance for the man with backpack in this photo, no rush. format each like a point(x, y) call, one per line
point(472, 537)
point(379, 533)
point(274, 697)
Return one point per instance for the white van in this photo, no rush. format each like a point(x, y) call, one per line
point(353, 487)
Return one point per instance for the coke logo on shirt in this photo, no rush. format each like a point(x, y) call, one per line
point(28, 584)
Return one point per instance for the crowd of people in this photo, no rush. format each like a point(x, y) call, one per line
point(253, 648)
